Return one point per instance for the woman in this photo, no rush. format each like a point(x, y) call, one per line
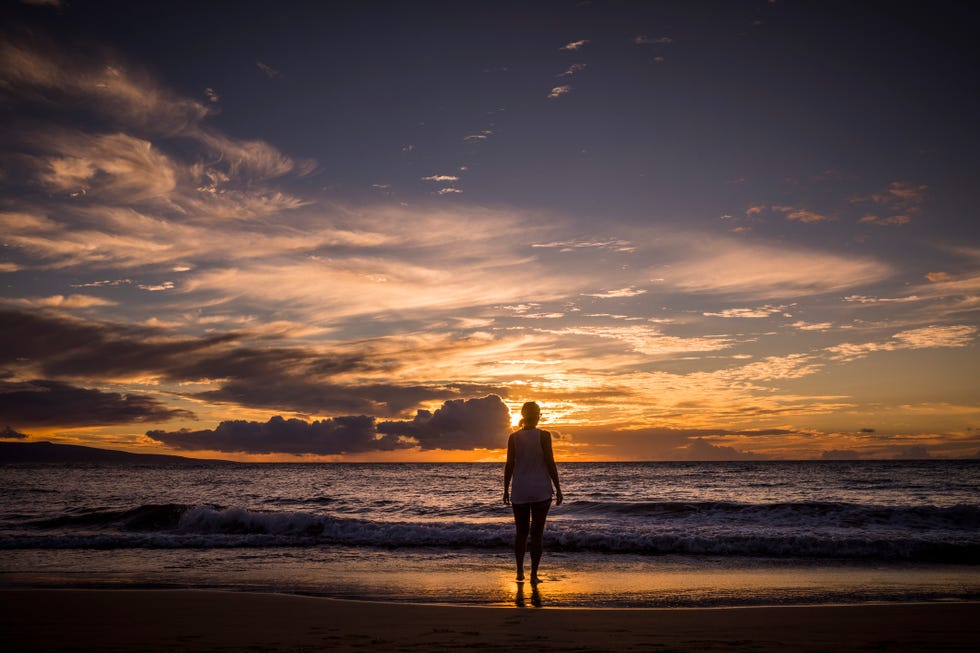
point(531, 466)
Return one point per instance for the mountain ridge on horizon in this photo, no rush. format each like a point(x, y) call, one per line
point(50, 452)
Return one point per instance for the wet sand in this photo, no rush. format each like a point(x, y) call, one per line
point(194, 620)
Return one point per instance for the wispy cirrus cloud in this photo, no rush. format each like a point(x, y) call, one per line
point(901, 200)
point(757, 312)
point(559, 91)
point(108, 90)
point(478, 136)
point(792, 213)
point(574, 68)
point(743, 269)
point(73, 301)
point(614, 244)
point(267, 70)
point(574, 46)
point(647, 339)
point(620, 292)
point(643, 39)
point(939, 336)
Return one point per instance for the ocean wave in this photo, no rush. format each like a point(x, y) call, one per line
point(829, 531)
point(957, 517)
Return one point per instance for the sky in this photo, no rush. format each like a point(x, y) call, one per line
point(369, 231)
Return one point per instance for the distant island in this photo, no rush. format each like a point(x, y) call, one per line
point(48, 452)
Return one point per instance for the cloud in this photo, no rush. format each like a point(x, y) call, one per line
point(574, 68)
point(899, 194)
point(789, 212)
point(10, 434)
point(212, 95)
point(864, 299)
point(574, 46)
point(275, 377)
point(812, 326)
point(267, 70)
point(448, 191)
point(52, 403)
point(758, 312)
point(166, 285)
point(339, 435)
point(558, 91)
point(613, 244)
point(72, 301)
point(460, 424)
point(647, 339)
point(913, 452)
point(737, 268)
point(480, 136)
point(840, 454)
point(700, 449)
point(121, 101)
point(670, 444)
point(890, 221)
point(646, 40)
point(613, 294)
point(292, 391)
point(949, 336)
point(116, 167)
point(441, 178)
point(902, 199)
point(105, 88)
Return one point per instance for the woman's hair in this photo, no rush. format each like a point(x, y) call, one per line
point(530, 414)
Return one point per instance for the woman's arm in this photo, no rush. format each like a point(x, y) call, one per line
point(549, 461)
point(509, 468)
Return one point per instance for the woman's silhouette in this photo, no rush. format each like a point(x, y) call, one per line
point(531, 466)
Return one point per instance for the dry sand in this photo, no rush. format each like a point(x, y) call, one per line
point(178, 620)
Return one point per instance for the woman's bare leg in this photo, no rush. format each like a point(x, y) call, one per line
point(522, 518)
point(539, 513)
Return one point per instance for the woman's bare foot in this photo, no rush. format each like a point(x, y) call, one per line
point(520, 576)
point(535, 580)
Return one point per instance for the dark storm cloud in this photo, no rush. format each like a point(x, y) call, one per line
point(279, 378)
point(458, 424)
point(350, 434)
point(10, 434)
point(51, 403)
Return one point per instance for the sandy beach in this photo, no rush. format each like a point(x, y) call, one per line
point(194, 620)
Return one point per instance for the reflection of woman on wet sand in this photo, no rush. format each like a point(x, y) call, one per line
point(531, 466)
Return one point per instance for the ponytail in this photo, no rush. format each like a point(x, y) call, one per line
point(530, 414)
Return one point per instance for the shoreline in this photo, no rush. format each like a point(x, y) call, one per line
point(210, 620)
point(430, 576)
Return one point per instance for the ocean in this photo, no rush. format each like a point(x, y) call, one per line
point(628, 534)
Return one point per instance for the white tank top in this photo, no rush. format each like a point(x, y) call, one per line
point(531, 481)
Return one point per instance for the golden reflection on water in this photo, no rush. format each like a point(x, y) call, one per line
point(692, 585)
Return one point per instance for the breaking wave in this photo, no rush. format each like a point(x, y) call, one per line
point(778, 530)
